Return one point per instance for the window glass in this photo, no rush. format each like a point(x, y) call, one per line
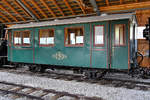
point(21, 38)
point(119, 34)
point(99, 35)
point(74, 36)
point(46, 36)
point(17, 38)
point(26, 37)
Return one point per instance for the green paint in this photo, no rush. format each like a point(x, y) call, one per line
point(119, 58)
point(73, 56)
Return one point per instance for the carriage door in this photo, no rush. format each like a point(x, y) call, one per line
point(99, 45)
point(119, 45)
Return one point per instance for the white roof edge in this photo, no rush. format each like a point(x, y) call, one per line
point(74, 21)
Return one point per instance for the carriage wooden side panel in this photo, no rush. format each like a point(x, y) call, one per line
point(106, 55)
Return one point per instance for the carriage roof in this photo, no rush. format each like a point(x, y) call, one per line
point(75, 20)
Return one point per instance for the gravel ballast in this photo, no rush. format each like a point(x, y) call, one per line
point(4, 98)
point(73, 87)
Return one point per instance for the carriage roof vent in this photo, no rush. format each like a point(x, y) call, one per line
point(56, 19)
point(104, 14)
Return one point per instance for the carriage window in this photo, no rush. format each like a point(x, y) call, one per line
point(74, 36)
point(46, 37)
point(99, 35)
point(26, 37)
point(119, 35)
point(17, 38)
point(21, 38)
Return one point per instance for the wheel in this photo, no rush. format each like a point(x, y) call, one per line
point(42, 69)
point(86, 74)
point(32, 68)
point(37, 68)
point(90, 75)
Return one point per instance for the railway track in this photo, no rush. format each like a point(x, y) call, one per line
point(21, 91)
point(108, 81)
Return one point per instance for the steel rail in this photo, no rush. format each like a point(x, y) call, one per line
point(61, 94)
point(21, 94)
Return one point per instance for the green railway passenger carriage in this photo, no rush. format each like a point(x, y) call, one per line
point(105, 42)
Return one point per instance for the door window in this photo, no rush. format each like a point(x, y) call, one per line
point(99, 35)
point(119, 35)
